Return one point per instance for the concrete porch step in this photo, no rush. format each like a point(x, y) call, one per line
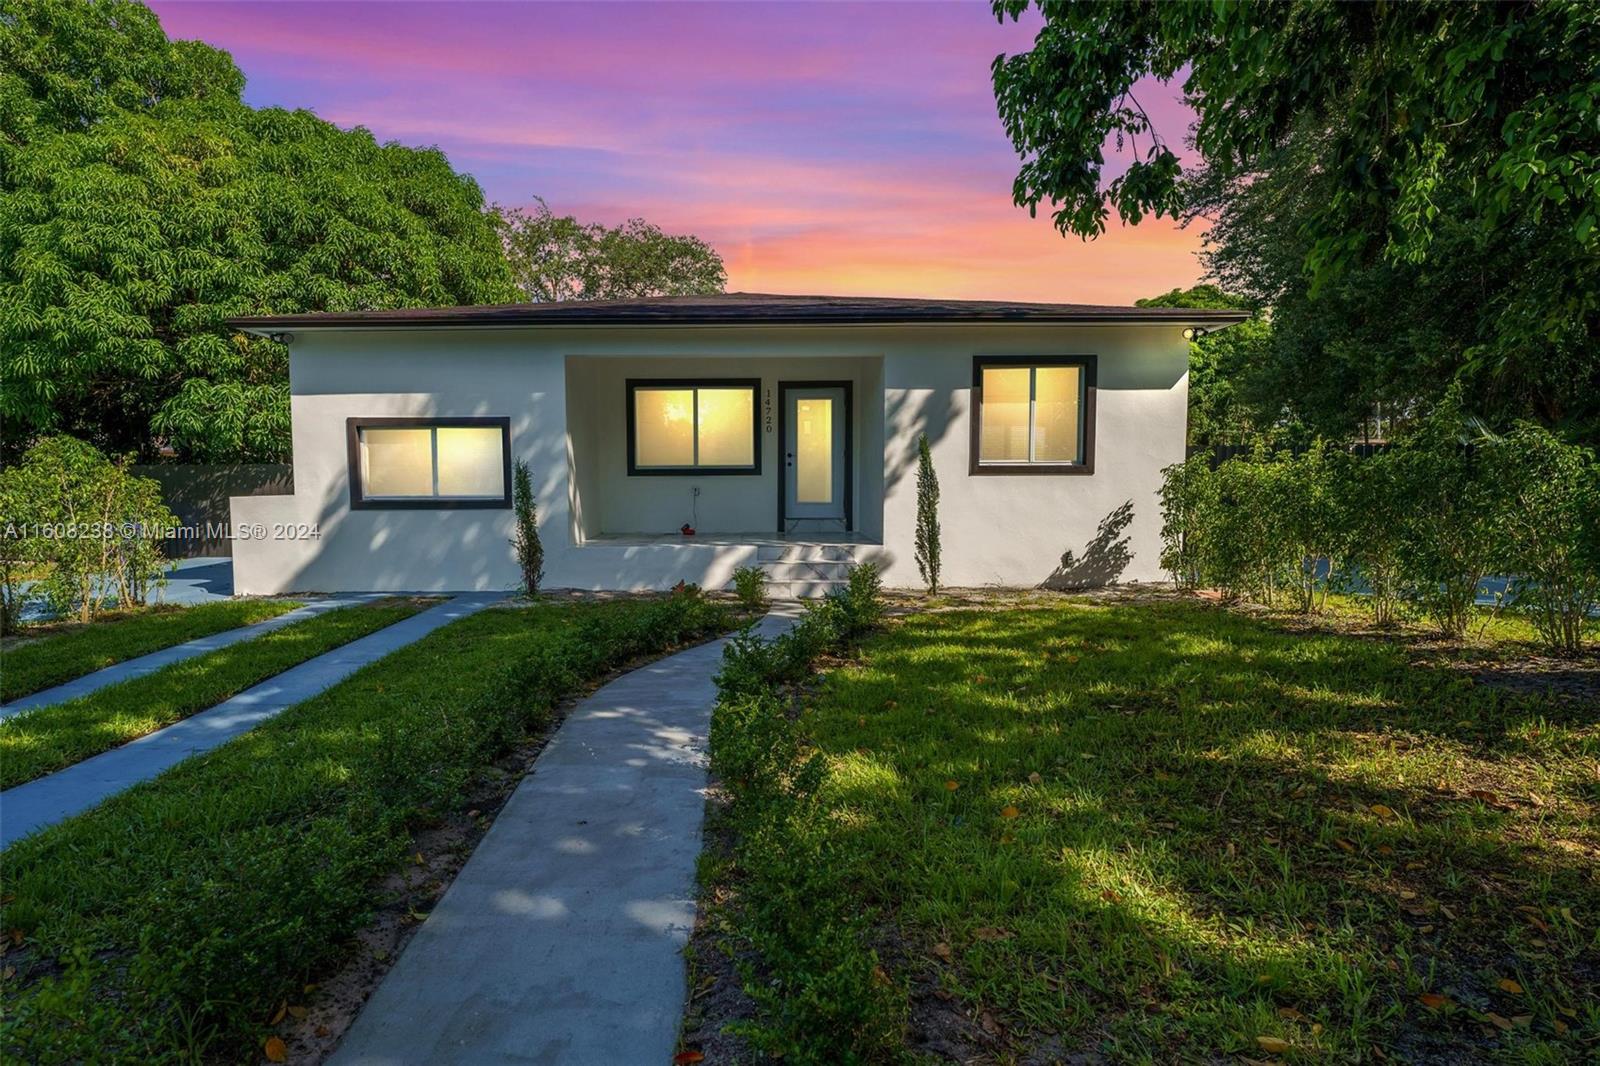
point(807, 570)
point(794, 553)
point(801, 589)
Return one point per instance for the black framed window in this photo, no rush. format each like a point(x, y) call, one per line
point(429, 462)
point(1033, 415)
point(693, 426)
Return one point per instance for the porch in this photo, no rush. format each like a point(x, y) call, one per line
point(745, 451)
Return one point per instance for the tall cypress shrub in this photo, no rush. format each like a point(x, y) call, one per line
point(927, 516)
point(530, 551)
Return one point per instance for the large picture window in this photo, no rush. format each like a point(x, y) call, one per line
point(1033, 416)
point(705, 426)
point(429, 462)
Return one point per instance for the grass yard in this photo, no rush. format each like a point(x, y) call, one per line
point(170, 923)
point(45, 739)
point(50, 654)
point(1165, 831)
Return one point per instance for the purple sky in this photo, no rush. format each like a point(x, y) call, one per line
point(828, 147)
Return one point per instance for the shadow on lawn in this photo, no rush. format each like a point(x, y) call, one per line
point(1225, 820)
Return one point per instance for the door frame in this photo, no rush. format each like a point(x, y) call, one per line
point(849, 448)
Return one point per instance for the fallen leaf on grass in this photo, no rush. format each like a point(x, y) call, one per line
point(275, 1050)
point(989, 1023)
point(1560, 1026)
point(1382, 811)
point(952, 785)
point(1344, 845)
point(1290, 1014)
point(989, 932)
point(283, 1008)
point(1009, 811)
point(1035, 779)
point(297, 1013)
point(942, 950)
point(1498, 1021)
point(1508, 985)
point(685, 1058)
point(1273, 1045)
point(1433, 1000)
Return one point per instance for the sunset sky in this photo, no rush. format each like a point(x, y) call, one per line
point(821, 148)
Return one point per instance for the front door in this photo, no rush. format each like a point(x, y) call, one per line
point(816, 464)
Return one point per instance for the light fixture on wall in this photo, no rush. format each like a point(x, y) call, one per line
point(281, 338)
point(1194, 333)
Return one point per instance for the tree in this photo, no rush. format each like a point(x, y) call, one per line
point(525, 539)
point(927, 539)
point(556, 257)
point(1452, 143)
point(143, 203)
point(1220, 411)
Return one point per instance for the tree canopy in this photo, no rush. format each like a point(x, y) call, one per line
point(143, 203)
point(1441, 157)
point(556, 257)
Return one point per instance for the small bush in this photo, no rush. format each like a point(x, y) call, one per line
point(1188, 510)
point(1552, 531)
point(525, 540)
point(750, 585)
point(88, 530)
point(927, 539)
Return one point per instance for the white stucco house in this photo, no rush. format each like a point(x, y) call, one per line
point(781, 429)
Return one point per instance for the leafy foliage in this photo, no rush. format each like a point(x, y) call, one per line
point(144, 203)
point(1552, 531)
point(525, 540)
point(89, 530)
point(1220, 365)
point(927, 536)
point(556, 257)
point(750, 585)
point(1413, 188)
point(1418, 526)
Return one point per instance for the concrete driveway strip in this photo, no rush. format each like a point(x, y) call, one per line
point(149, 664)
point(560, 940)
point(50, 799)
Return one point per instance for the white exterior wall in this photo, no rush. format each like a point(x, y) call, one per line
point(1009, 530)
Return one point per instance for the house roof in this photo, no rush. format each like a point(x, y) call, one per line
point(736, 308)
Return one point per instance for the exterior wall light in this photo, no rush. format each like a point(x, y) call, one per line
point(1194, 333)
point(288, 338)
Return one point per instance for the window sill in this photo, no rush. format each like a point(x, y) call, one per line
point(431, 503)
point(1024, 469)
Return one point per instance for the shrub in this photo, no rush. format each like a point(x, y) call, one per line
point(750, 585)
point(818, 987)
point(1372, 508)
point(1310, 528)
point(89, 529)
point(1188, 508)
point(1552, 531)
point(525, 538)
point(1453, 523)
point(927, 544)
point(1250, 549)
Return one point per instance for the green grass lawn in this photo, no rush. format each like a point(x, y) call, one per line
point(169, 923)
point(46, 655)
point(1164, 832)
point(46, 739)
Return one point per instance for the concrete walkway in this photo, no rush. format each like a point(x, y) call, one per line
point(48, 800)
point(149, 664)
point(560, 941)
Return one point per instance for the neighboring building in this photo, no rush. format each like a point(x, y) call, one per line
point(783, 429)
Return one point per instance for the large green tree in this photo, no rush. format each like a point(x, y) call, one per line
point(142, 202)
point(1222, 407)
point(557, 257)
point(1452, 147)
